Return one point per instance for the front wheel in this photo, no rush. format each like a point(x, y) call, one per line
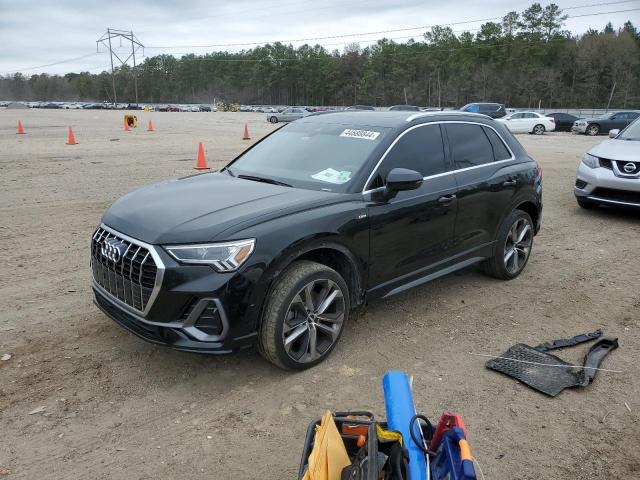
point(512, 248)
point(586, 204)
point(304, 316)
point(273, 119)
point(538, 130)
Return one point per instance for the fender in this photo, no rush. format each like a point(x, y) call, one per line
point(321, 241)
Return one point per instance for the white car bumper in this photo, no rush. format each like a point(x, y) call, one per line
point(580, 128)
point(600, 185)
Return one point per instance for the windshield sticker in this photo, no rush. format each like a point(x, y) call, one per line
point(363, 134)
point(333, 176)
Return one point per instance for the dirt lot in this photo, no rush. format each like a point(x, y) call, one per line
point(116, 407)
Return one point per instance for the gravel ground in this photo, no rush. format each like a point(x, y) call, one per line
point(108, 405)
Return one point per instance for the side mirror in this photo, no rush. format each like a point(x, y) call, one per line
point(614, 133)
point(399, 179)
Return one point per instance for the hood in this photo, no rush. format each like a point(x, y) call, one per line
point(612, 149)
point(200, 208)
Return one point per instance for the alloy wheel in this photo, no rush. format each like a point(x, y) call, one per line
point(313, 321)
point(593, 130)
point(538, 129)
point(518, 246)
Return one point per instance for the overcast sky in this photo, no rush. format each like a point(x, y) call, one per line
point(39, 32)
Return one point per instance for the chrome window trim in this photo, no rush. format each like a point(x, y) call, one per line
point(437, 122)
point(160, 266)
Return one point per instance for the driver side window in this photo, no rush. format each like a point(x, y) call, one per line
point(420, 149)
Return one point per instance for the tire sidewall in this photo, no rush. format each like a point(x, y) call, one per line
point(282, 303)
point(502, 239)
point(593, 127)
point(273, 120)
point(540, 131)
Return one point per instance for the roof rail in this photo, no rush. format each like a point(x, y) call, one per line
point(410, 118)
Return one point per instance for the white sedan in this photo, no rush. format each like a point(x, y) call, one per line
point(528, 122)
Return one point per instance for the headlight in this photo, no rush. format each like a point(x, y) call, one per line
point(224, 257)
point(590, 161)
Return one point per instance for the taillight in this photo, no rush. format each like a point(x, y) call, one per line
point(552, 120)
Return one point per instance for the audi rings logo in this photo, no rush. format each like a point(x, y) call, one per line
point(629, 167)
point(112, 249)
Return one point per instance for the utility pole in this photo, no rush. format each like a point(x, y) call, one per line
point(105, 40)
point(613, 89)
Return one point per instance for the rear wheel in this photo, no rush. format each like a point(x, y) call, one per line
point(593, 129)
point(538, 129)
point(512, 248)
point(273, 119)
point(304, 316)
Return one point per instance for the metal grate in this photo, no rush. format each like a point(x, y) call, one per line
point(123, 268)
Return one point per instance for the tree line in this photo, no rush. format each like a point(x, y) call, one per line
point(526, 60)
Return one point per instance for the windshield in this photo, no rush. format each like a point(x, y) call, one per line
point(632, 132)
point(316, 156)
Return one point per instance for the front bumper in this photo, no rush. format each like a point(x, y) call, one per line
point(579, 128)
point(601, 185)
point(192, 307)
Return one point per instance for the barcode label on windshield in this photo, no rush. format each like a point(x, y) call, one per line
point(364, 134)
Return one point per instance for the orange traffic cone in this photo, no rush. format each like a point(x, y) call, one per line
point(150, 127)
point(201, 162)
point(20, 130)
point(246, 133)
point(71, 138)
point(126, 126)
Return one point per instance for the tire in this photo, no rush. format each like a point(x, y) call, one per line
point(593, 129)
point(538, 129)
point(273, 119)
point(303, 287)
point(508, 261)
point(586, 204)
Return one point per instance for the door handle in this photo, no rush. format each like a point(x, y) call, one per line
point(509, 183)
point(447, 199)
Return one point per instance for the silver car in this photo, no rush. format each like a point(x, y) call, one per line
point(609, 173)
point(289, 114)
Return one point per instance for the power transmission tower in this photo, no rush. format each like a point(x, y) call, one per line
point(129, 37)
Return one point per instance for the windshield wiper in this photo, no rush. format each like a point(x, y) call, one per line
point(264, 180)
point(228, 170)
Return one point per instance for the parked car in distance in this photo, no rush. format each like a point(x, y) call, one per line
point(204, 108)
point(494, 110)
point(72, 106)
point(404, 108)
point(528, 122)
point(564, 121)
point(596, 126)
point(359, 107)
point(288, 114)
point(51, 105)
point(173, 108)
point(609, 173)
point(270, 110)
point(319, 217)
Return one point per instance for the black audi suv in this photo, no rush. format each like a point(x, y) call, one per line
point(321, 216)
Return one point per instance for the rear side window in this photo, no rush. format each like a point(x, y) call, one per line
point(470, 146)
point(500, 151)
point(474, 107)
point(420, 149)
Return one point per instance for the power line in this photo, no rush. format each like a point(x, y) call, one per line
point(50, 64)
point(422, 27)
point(348, 35)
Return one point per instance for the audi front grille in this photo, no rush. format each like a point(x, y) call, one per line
point(125, 268)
